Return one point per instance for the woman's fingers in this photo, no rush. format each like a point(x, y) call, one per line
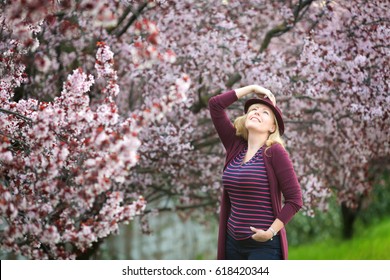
point(261, 92)
point(258, 234)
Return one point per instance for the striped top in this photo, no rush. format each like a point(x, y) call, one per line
point(249, 193)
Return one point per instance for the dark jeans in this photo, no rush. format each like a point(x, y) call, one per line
point(250, 249)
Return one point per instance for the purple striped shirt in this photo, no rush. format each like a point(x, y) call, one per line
point(249, 193)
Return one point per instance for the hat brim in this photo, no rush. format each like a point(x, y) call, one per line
point(275, 110)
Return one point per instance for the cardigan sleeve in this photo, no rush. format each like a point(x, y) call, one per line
point(288, 183)
point(222, 123)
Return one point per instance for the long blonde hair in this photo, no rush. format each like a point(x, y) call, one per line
point(242, 131)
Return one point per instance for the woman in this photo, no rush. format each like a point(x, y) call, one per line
point(257, 172)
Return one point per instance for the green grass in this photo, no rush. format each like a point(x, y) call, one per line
point(372, 243)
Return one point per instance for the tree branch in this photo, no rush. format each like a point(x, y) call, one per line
point(16, 114)
point(282, 28)
point(203, 100)
point(132, 19)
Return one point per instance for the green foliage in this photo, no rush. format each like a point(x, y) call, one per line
point(377, 205)
point(371, 244)
point(328, 224)
point(303, 229)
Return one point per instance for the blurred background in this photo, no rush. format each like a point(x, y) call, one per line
point(310, 238)
point(107, 149)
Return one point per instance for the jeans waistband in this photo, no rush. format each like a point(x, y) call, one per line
point(250, 242)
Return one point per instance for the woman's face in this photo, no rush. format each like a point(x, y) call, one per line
point(260, 118)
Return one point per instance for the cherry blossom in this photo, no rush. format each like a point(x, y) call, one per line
point(104, 107)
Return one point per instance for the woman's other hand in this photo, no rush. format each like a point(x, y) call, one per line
point(261, 235)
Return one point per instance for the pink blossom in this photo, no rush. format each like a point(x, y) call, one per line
point(88, 135)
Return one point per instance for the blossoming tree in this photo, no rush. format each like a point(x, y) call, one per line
point(83, 137)
point(65, 162)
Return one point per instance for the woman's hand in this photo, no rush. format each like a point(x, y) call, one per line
point(261, 235)
point(260, 91)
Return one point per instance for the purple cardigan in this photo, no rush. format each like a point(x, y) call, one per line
point(281, 175)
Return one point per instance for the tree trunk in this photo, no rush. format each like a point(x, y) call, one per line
point(349, 216)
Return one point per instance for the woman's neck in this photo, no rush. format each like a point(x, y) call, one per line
point(256, 141)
